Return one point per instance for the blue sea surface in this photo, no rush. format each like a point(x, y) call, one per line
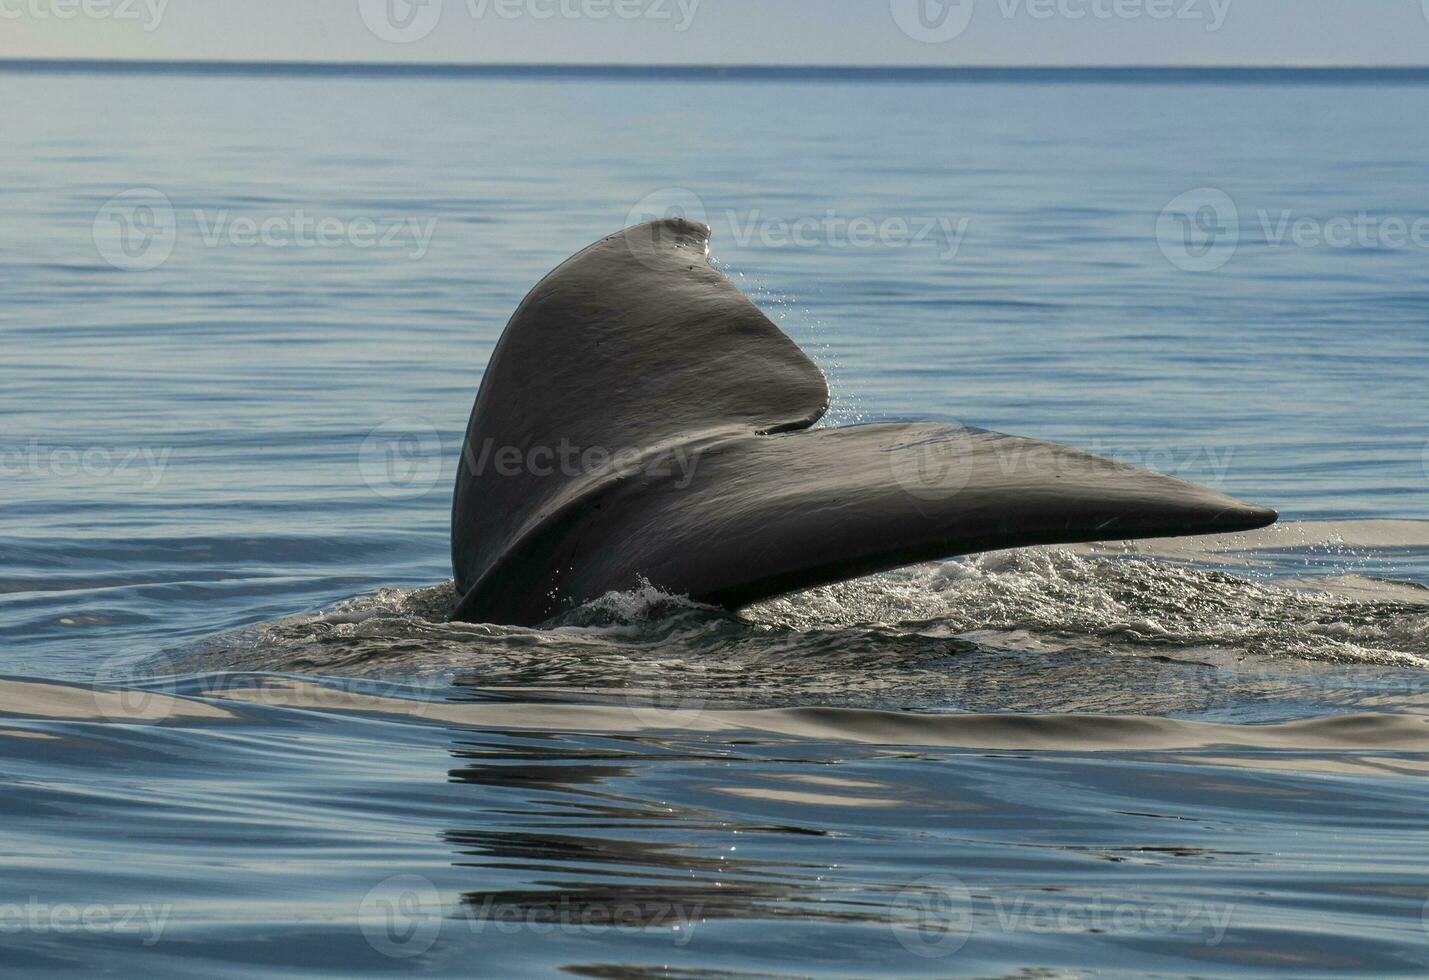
point(244, 318)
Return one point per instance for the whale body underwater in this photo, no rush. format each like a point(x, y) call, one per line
point(672, 422)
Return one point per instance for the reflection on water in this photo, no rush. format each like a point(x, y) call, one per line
point(380, 831)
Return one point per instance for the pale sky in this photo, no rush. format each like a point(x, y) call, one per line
point(848, 32)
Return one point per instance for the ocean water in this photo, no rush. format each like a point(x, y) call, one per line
point(244, 319)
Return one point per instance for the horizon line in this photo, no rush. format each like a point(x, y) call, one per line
point(746, 71)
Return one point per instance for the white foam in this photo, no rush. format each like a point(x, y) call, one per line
point(1026, 628)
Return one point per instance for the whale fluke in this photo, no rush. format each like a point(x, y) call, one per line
point(640, 418)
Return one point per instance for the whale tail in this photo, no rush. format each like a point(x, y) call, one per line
point(640, 418)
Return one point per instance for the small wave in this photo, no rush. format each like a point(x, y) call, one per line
point(643, 605)
point(1131, 605)
point(1086, 629)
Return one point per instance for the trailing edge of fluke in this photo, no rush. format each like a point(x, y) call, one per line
point(640, 418)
